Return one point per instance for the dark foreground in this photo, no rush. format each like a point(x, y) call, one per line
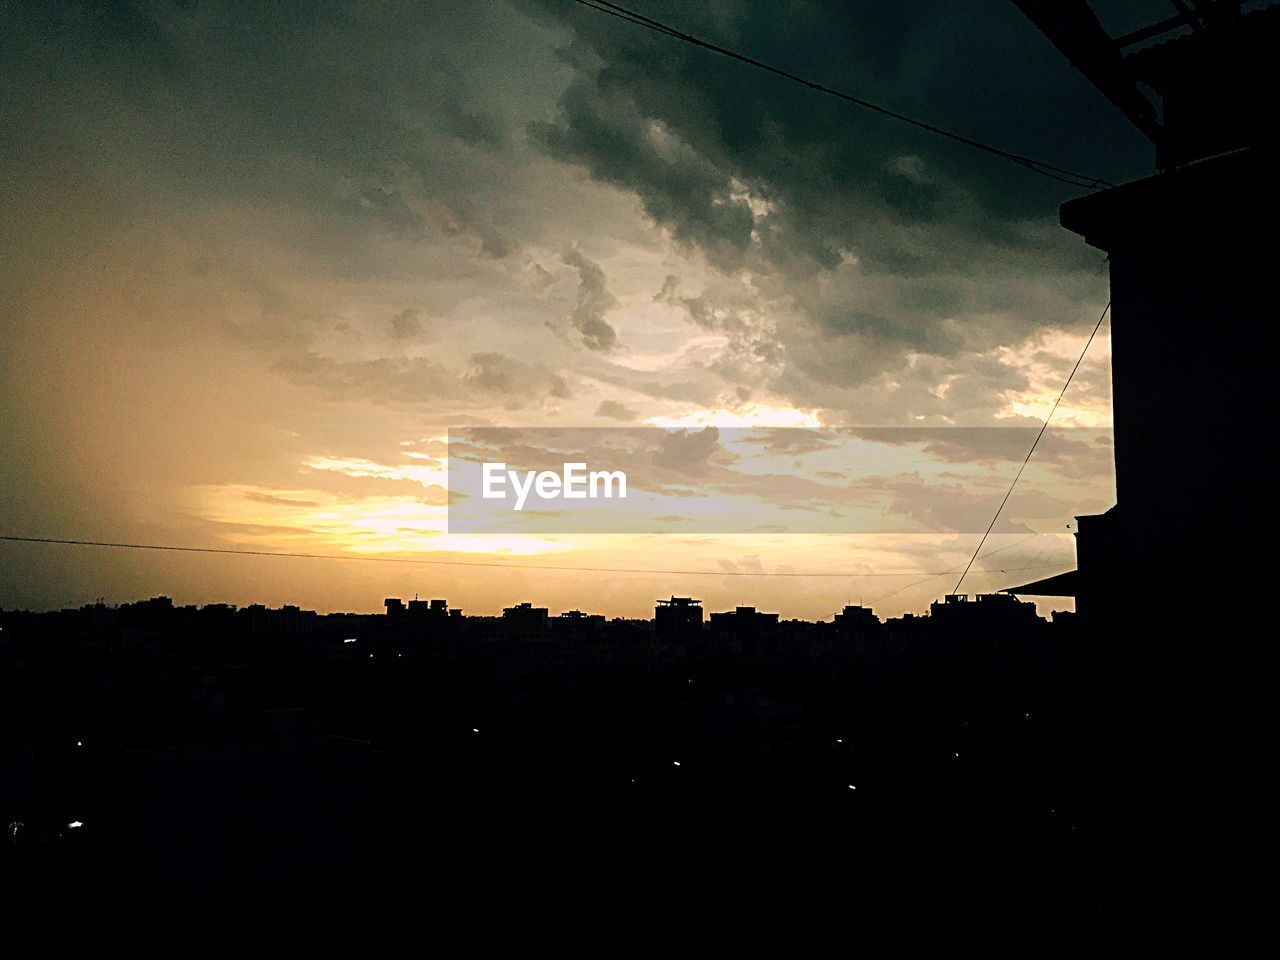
point(504, 786)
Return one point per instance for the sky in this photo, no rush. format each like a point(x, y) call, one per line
point(261, 259)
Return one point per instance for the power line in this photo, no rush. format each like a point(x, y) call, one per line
point(488, 564)
point(1045, 169)
point(1043, 427)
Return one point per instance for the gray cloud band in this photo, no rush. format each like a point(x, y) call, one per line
point(769, 480)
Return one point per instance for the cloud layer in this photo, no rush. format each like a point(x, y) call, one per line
point(246, 237)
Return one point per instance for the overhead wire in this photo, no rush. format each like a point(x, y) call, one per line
point(475, 563)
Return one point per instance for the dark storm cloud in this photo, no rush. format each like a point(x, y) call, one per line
point(981, 69)
point(866, 242)
point(593, 302)
point(678, 187)
point(614, 410)
point(407, 323)
point(887, 241)
point(480, 129)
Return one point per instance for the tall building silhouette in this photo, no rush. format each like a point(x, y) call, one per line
point(1179, 699)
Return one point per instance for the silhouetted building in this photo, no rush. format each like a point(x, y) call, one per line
point(990, 611)
point(855, 619)
point(745, 631)
point(525, 618)
point(677, 631)
point(1179, 695)
point(676, 616)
